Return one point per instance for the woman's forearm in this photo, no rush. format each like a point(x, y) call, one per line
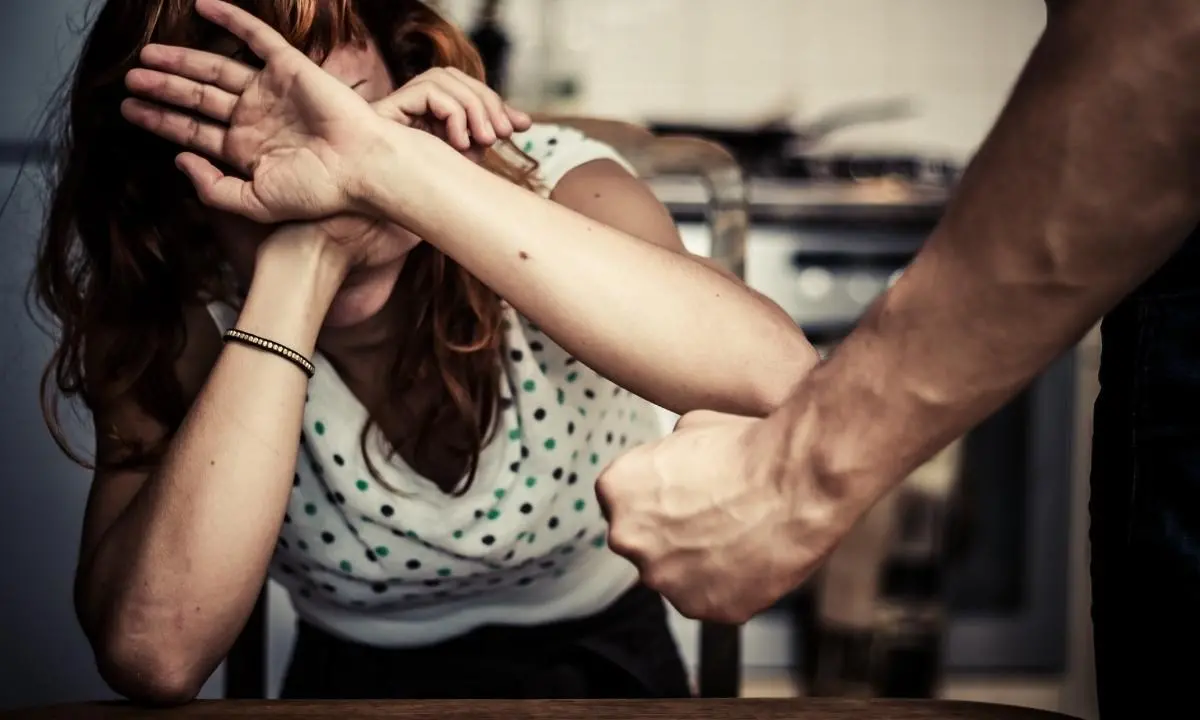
point(655, 321)
point(171, 582)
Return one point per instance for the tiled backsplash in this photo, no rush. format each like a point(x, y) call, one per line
point(744, 60)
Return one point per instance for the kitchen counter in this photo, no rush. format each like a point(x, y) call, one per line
point(775, 201)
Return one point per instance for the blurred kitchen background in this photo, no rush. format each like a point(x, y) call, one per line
point(847, 123)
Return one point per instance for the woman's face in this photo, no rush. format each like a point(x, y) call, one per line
point(368, 287)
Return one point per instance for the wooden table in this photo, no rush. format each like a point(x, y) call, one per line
point(747, 709)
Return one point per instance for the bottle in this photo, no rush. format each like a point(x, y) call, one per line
point(492, 41)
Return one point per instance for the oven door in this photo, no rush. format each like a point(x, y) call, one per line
point(1007, 574)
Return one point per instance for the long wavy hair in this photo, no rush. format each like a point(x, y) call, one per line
point(127, 246)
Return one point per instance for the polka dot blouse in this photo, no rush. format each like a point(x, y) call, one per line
point(525, 544)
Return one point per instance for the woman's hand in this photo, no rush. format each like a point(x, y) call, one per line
point(294, 130)
point(456, 107)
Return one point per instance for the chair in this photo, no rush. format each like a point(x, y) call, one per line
point(719, 672)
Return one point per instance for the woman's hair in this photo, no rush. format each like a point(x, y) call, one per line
point(127, 247)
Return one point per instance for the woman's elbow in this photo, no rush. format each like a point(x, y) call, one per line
point(149, 674)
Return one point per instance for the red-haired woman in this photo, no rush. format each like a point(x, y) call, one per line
point(357, 372)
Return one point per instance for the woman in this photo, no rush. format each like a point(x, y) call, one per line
point(435, 525)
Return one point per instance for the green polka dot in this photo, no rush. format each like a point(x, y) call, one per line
point(319, 427)
point(361, 485)
point(598, 541)
point(529, 386)
point(444, 572)
point(310, 509)
point(506, 326)
point(633, 415)
point(595, 459)
point(520, 537)
point(583, 411)
point(530, 481)
point(458, 534)
point(562, 397)
point(580, 505)
point(572, 376)
point(493, 514)
point(345, 566)
point(527, 147)
point(514, 434)
point(550, 443)
point(499, 493)
point(574, 454)
point(382, 551)
point(543, 367)
point(531, 538)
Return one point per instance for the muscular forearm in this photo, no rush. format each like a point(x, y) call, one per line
point(655, 321)
point(1087, 183)
point(169, 586)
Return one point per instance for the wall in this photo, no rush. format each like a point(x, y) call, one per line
point(745, 60)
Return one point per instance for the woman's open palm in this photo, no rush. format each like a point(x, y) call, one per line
point(291, 128)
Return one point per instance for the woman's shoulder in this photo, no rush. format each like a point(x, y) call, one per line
point(559, 149)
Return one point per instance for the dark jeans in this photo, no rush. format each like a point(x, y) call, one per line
point(625, 651)
point(1145, 503)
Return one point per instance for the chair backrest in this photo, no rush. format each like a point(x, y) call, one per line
point(719, 672)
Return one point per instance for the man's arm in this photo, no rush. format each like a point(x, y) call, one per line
point(1088, 182)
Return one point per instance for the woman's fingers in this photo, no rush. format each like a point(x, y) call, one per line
point(209, 68)
point(483, 132)
point(447, 109)
point(491, 101)
point(203, 137)
point(182, 92)
point(221, 191)
point(262, 39)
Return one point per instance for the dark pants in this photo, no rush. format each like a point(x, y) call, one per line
point(1145, 504)
point(626, 651)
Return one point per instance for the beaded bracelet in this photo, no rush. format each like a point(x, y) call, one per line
point(261, 343)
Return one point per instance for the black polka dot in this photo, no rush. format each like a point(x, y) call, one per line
point(623, 440)
point(478, 514)
point(305, 593)
point(608, 438)
point(579, 535)
point(509, 555)
point(572, 479)
point(546, 564)
point(353, 530)
point(588, 437)
point(340, 498)
point(525, 581)
point(327, 537)
point(488, 540)
point(567, 550)
point(296, 480)
point(397, 532)
point(616, 391)
point(526, 508)
point(589, 394)
point(517, 355)
point(283, 543)
point(558, 473)
point(570, 361)
point(553, 523)
point(571, 427)
point(379, 588)
point(552, 141)
point(370, 555)
point(413, 564)
point(524, 451)
point(330, 497)
point(536, 346)
point(494, 581)
point(515, 467)
point(339, 460)
point(432, 583)
point(539, 414)
point(316, 467)
point(387, 511)
point(328, 588)
point(505, 403)
point(287, 518)
point(286, 570)
point(302, 545)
